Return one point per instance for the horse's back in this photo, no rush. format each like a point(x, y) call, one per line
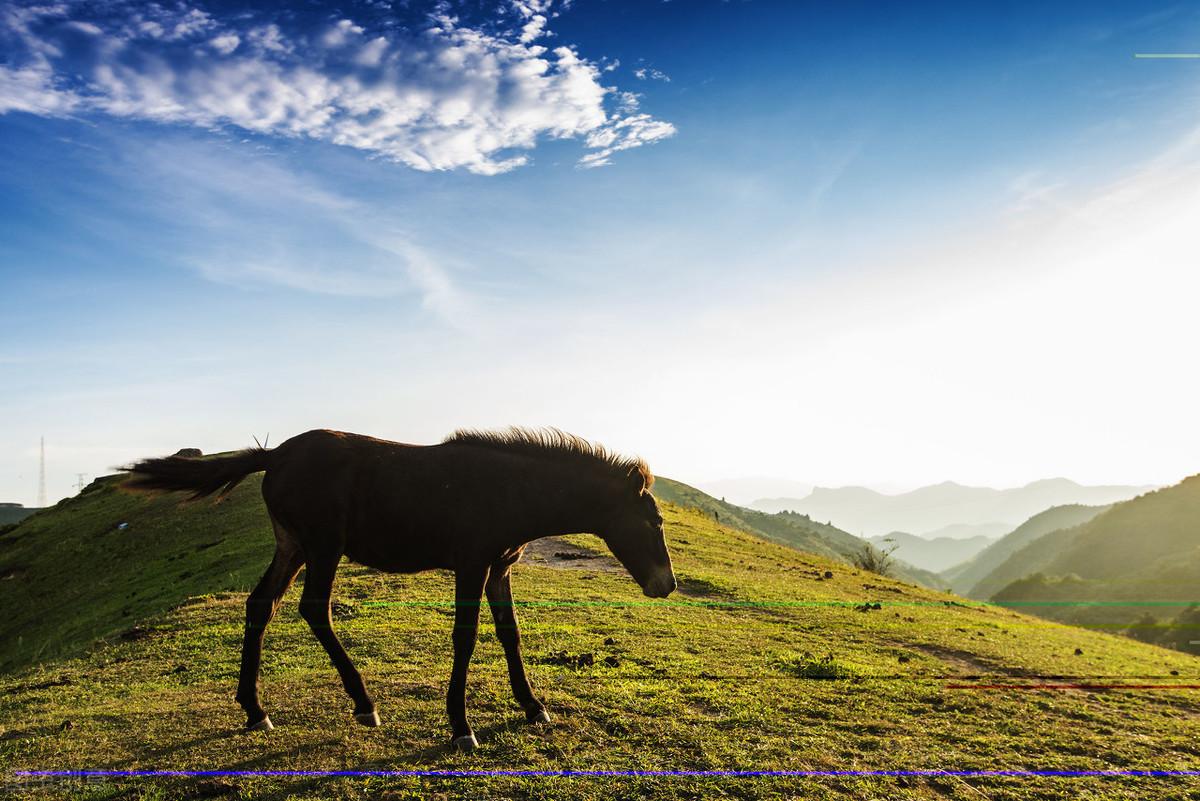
point(379, 499)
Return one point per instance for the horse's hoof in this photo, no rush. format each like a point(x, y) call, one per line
point(466, 744)
point(367, 718)
point(540, 716)
point(263, 725)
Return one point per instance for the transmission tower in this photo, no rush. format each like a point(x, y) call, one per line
point(42, 475)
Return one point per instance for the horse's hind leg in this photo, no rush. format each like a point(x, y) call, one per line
point(314, 608)
point(504, 614)
point(260, 608)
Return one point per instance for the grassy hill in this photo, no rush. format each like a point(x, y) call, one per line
point(1135, 565)
point(75, 575)
point(966, 576)
point(796, 530)
point(767, 659)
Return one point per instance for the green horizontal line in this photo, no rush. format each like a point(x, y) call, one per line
point(1166, 55)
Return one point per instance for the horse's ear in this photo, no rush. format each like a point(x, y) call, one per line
point(640, 479)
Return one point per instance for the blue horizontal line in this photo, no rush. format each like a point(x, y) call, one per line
point(462, 774)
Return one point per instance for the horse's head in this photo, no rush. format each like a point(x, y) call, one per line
point(634, 533)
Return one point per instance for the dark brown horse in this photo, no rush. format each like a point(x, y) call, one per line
point(470, 504)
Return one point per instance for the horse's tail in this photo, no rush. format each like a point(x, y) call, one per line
point(201, 476)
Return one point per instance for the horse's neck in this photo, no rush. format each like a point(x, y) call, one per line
point(562, 500)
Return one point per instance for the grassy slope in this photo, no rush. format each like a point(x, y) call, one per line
point(78, 578)
point(796, 530)
point(977, 571)
point(703, 681)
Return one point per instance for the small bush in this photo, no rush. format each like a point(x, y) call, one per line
point(807, 666)
point(876, 560)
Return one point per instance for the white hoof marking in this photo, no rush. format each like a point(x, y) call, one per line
point(467, 743)
point(367, 718)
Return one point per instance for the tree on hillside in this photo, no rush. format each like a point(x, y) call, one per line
point(876, 560)
point(1146, 628)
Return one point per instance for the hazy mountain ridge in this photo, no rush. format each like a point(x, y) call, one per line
point(935, 554)
point(743, 491)
point(869, 513)
point(11, 513)
point(796, 531)
point(992, 568)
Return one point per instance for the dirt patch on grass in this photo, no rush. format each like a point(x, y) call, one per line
point(964, 663)
point(556, 552)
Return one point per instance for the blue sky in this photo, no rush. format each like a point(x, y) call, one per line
point(835, 242)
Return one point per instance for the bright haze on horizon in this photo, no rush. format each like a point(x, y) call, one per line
point(873, 244)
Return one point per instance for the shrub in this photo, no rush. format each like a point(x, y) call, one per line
point(876, 560)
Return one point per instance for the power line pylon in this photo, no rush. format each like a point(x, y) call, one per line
point(41, 501)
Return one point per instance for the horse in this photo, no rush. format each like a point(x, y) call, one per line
point(470, 504)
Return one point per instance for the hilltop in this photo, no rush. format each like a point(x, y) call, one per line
point(926, 510)
point(767, 659)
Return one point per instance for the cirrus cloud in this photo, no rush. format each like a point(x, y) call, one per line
point(438, 95)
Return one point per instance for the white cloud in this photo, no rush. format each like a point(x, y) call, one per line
point(622, 134)
point(446, 97)
point(269, 38)
point(651, 74)
point(341, 33)
point(31, 89)
point(86, 27)
point(226, 43)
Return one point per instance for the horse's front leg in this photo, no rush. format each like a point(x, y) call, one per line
point(468, 593)
point(504, 614)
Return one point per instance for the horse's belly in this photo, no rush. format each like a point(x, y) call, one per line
point(408, 558)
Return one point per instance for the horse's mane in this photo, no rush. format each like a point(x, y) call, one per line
point(553, 443)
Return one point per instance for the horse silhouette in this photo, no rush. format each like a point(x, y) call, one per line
point(470, 504)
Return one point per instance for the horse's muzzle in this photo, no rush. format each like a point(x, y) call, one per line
point(661, 587)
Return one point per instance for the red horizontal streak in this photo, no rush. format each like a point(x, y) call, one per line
point(1073, 686)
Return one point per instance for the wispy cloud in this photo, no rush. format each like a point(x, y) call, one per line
point(651, 74)
point(441, 95)
point(252, 223)
point(627, 132)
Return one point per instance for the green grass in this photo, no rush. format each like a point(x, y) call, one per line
point(77, 577)
point(760, 663)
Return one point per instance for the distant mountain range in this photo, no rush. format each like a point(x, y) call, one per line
point(924, 511)
point(934, 554)
point(11, 513)
point(797, 531)
point(743, 491)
